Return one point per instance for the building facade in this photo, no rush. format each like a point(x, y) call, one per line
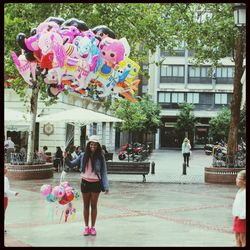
point(178, 80)
point(53, 134)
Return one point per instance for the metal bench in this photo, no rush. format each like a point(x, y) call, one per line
point(136, 168)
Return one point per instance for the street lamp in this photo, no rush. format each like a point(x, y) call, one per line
point(240, 21)
point(239, 14)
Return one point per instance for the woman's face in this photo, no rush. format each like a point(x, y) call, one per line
point(93, 146)
point(240, 182)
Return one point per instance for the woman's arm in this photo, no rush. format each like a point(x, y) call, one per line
point(104, 174)
point(75, 162)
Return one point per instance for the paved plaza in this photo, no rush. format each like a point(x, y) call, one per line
point(169, 210)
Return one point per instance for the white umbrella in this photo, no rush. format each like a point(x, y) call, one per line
point(78, 115)
point(12, 116)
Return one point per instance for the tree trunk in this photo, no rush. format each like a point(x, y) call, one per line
point(33, 112)
point(236, 101)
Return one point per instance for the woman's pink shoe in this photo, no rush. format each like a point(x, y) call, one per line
point(92, 231)
point(86, 231)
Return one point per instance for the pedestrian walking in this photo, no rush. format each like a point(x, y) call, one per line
point(239, 210)
point(94, 179)
point(7, 192)
point(186, 150)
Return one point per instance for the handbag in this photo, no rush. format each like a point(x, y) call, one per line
point(102, 187)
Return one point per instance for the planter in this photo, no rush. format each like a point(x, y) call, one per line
point(30, 172)
point(221, 175)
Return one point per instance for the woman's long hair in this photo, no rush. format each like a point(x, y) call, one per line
point(96, 155)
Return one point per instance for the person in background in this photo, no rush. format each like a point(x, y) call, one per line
point(74, 155)
point(185, 149)
point(7, 191)
point(58, 160)
point(23, 153)
point(9, 145)
point(78, 150)
point(93, 176)
point(239, 210)
point(42, 154)
point(104, 149)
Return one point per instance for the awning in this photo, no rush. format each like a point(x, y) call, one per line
point(78, 115)
point(15, 120)
point(12, 116)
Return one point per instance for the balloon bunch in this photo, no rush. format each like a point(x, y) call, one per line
point(72, 57)
point(64, 194)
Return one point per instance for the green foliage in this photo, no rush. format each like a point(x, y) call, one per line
point(147, 25)
point(219, 125)
point(242, 125)
point(131, 113)
point(186, 121)
point(141, 116)
point(152, 112)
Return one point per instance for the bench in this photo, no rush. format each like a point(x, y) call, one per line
point(140, 168)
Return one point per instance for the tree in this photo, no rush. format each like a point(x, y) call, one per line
point(132, 114)
point(213, 36)
point(152, 112)
point(186, 121)
point(219, 125)
point(149, 25)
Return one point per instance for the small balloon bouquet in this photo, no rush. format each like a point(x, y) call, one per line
point(62, 194)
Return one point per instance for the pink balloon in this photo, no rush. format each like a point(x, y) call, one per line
point(58, 191)
point(68, 190)
point(46, 189)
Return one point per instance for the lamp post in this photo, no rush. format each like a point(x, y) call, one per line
point(240, 21)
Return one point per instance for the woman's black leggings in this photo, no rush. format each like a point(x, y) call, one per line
point(186, 158)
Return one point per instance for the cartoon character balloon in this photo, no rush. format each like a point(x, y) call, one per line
point(72, 57)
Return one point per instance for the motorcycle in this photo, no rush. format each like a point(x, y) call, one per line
point(128, 151)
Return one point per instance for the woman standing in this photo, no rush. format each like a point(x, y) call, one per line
point(185, 149)
point(93, 174)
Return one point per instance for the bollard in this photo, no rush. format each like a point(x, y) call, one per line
point(153, 167)
point(184, 168)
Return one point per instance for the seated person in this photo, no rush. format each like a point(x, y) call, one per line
point(42, 154)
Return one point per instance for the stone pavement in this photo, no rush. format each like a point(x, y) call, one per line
point(168, 210)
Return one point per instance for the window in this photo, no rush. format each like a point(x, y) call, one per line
point(145, 74)
point(220, 99)
point(193, 98)
point(167, 97)
point(164, 97)
point(199, 74)
point(225, 74)
point(206, 98)
point(172, 73)
point(177, 97)
point(178, 51)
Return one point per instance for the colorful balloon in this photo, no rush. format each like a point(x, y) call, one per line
point(58, 191)
point(46, 189)
point(72, 57)
point(51, 198)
